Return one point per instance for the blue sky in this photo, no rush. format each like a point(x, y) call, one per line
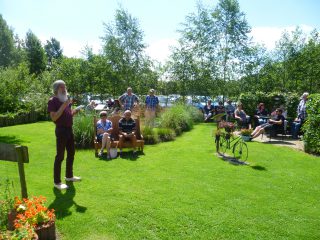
point(76, 23)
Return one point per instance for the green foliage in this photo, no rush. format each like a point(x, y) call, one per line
point(176, 190)
point(83, 130)
point(6, 44)
point(150, 136)
point(311, 129)
point(177, 118)
point(165, 134)
point(288, 101)
point(6, 202)
point(35, 54)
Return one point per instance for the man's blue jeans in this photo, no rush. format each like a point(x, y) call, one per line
point(295, 128)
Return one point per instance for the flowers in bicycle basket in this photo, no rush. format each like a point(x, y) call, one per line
point(228, 126)
point(246, 132)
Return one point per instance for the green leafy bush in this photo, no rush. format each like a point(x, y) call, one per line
point(83, 130)
point(271, 101)
point(165, 134)
point(177, 118)
point(311, 129)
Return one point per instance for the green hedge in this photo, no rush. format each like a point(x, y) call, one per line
point(311, 128)
point(22, 117)
point(271, 100)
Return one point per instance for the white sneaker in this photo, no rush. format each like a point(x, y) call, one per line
point(100, 154)
point(60, 186)
point(73, 179)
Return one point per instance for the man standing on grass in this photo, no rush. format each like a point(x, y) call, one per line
point(152, 103)
point(128, 100)
point(59, 107)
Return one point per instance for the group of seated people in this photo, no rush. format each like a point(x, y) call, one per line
point(127, 127)
point(262, 119)
point(209, 110)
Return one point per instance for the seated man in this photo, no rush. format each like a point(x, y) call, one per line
point(276, 124)
point(220, 108)
point(208, 111)
point(104, 129)
point(127, 128)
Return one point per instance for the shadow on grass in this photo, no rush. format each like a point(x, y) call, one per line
point(125, 155)
point(10, 139)
point(279, 142)
point(64, 201)
point(231, 160)
point(260, 168)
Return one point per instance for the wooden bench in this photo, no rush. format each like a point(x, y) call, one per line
point(115, 134)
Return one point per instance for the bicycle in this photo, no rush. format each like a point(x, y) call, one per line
point(226, 140)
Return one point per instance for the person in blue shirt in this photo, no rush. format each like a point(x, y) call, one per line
point(128, 100)
point(152, 103)
point(104, 129)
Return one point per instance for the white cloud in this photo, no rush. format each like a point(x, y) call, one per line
point(269, 35)
point(160, 50)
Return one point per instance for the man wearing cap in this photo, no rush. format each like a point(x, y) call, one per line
point(104, 129)
point(152, 103)
point(59, 107)
point(127, 127)
point(128, 100)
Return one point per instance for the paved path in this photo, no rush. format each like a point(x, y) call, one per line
point(287, 141)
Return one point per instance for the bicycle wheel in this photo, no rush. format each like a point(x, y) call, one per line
point(240, 151)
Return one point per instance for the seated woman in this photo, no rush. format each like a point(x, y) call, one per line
point(241, 117)
point(276, 124)
point(261, 111)
point(208, 111)
point(104, 129)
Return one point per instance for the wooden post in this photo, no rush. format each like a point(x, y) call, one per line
point(19, 154)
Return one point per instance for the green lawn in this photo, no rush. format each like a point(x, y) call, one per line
point(177, 190)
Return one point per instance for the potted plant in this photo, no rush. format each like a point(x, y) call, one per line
point(246, 134)
point(34, 216)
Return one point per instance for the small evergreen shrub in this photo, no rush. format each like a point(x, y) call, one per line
point(83, 130)
point(311, 129)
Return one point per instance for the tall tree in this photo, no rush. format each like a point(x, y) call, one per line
point(35, 53)
point(7, 49)
point(234, 41)
point(124, 48)
point(53, 50)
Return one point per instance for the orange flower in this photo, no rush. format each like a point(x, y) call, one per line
point(32, 212)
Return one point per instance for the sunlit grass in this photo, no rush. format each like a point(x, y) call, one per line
point(176, 190)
